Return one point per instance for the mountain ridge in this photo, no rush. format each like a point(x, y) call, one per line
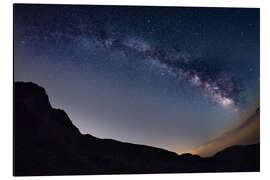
point(47, 143)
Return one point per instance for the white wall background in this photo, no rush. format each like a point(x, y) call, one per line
point(6, 80)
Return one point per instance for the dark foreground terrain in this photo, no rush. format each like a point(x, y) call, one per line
point(47, 143)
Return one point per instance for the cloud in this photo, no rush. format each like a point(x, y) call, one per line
point(246, 133)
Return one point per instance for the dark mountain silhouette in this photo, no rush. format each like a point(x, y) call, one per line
point(47, 143)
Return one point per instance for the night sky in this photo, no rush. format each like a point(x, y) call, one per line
point(169, 77)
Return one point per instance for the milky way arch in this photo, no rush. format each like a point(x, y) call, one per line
point(220, 87)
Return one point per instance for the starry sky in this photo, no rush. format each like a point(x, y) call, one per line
point(169, 77)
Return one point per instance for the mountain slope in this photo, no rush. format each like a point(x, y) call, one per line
point(47, 143)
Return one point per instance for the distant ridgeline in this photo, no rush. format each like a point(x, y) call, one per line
point(47, 143)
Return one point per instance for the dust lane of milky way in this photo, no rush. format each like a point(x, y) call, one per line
point(218, 89)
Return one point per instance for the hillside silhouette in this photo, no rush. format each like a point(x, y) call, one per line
point(47, 143)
